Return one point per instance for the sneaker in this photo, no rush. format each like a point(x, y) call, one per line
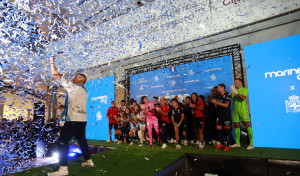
point(226, 149)
point(177, 147)
point(164, 146)
point(198, 142)
point(185, 142)
point(172, 141)
point(119, 142)
point(63, 170)
point(250, 147)
point(141, 144)
point(116, 140)
point(210, 142)
point(235, 145)
point(109, 140)
point(192, 142)
point(150, 146)
point(88, 163)
point(217, 143)
point(201, 147)
point(214, 142)
point(131, 144)
point(219, 146)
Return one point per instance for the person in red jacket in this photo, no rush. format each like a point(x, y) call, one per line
point(163, 110)
point(198, 112)
point(112, 115)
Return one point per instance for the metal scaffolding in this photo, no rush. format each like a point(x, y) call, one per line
point(233, 50)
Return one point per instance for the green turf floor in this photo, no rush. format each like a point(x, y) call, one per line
point(135, 160)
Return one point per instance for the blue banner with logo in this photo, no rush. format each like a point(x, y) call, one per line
point(183, 80)
point(101, 92)
point(273, 73)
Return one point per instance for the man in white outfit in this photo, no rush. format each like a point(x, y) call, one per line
point(76, 119)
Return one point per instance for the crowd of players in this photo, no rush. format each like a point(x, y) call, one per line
point(169, 121)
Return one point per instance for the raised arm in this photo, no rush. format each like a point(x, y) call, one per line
point(54, 71)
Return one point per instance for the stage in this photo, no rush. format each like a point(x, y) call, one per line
point(135, 160)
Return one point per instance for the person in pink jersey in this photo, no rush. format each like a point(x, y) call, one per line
point(152, 121)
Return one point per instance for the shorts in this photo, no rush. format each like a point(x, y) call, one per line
point(125, 131)
point(110, 125)
point(199, 122)
point(224, 121)
point(243, 115)
point(182, 126)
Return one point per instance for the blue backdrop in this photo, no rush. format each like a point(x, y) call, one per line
point(182, 80)
point(100, 94)
point(274, 91)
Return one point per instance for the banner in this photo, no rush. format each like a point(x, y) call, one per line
point(274, 88)
point(183, 80)
point(101, 92)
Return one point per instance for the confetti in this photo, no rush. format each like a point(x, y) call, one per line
point(77, 32)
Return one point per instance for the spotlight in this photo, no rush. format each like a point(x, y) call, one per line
point(77, 150)
point(55, 155)
point(72, 154)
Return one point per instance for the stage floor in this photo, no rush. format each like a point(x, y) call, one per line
point(135, 160)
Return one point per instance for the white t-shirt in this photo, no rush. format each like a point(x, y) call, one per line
point(77, 100)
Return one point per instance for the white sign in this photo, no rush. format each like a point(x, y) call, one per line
point(103, 99)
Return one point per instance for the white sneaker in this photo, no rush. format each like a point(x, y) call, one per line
point(141, 144)
point(164, 146)
point(177, 147)
point(217, 143)
point(116, 140)
point(250, 147)
point(109, 140)
point(192, 142)
point(185, 142)
point(88, 163)
point(201, 147)
point(119, 142)
point(172, 141)
point(235, 145)
point(214, 142)
point(63, 170)
point(198, 142)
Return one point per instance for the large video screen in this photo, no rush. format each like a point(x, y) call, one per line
point(183, 80)
point(100, 94)
point(274, 89)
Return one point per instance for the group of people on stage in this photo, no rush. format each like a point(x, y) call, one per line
point(170, 121)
